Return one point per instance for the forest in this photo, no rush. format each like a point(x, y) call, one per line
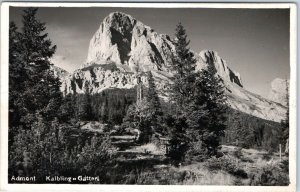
point(194, 138)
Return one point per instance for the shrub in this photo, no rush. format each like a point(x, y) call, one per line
point(196, 153)
point(275, 174)
point(44, 150)
point(238, 153)
point(226, 164)
point(267, 156)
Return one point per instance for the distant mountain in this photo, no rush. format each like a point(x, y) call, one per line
point(279, 91)
point(123, 46)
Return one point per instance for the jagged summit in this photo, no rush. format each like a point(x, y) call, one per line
point(118, 14)
point(124, 40)
point(221, 66)
point(118, 18)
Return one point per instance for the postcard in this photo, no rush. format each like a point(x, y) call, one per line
point(148, 97)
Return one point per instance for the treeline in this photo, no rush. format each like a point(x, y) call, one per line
point(248, 131)
point(109, 106)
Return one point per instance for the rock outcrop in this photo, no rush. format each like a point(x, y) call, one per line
point(96, 78)
point(59, 72)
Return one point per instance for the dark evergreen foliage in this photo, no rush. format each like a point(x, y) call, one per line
point(211, 100)
point(179, 140)
point(84, 108)
point(180, 91)
point(184, 68)
point(35, 97)
point(199, 99)
point(248, 131)
point(30, 74)
point(67, 109)
point(17, 74)
point(109, 106)
point(184, 62)
point(154, 104)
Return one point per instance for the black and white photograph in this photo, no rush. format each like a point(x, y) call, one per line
point(150, 95)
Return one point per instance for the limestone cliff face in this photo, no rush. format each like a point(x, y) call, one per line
point(124, 40)
point(221, 66)
point(124, 46)
point(96, 78)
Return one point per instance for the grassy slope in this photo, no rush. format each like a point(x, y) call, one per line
point(237, 167)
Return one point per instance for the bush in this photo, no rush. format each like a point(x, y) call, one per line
point(275, 174)
point(267, 156)
point(238, 153)
point(226, 164)
point(44, 151)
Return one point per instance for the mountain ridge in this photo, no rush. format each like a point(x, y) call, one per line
point(122, 47)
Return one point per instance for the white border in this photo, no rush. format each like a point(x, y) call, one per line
point(4, 186)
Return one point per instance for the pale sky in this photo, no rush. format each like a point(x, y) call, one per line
point(254, 42)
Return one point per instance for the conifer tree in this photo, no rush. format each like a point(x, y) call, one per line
point(200, 101)
point(184, 67)
point(17, 74)
point(154, 103)
point(34, 92)
point(67, 109)
point(184, 61)
point(41, 89)
point(84, 107)
point(210, 96)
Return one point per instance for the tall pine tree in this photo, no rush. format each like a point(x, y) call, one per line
point(209, 89)
point(41, 89)
point(181, 89)
point(35, 96)
point(184, 67)
point(32, 85)
point(199, 97)
point(154, 103)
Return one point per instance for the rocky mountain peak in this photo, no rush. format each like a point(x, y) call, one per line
point(121, 39)
point(227, 74)
point(133, 46)
point(119, 21)
point(123, 46)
